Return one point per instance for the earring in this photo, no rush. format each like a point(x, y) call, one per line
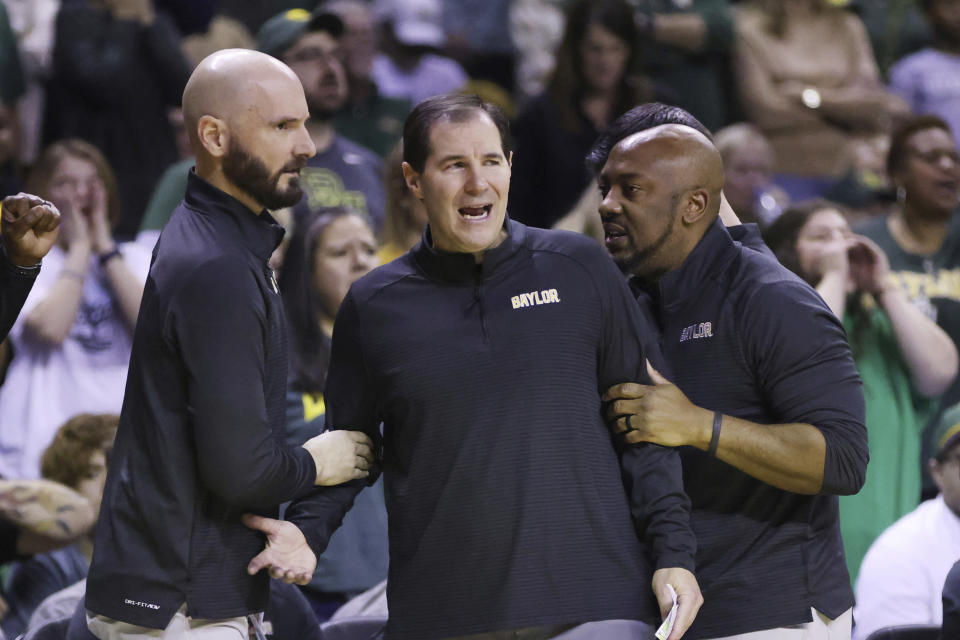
point(901, 195)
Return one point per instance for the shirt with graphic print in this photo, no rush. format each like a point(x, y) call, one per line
point(47, 385)
point(932, 283)
point(344, 175)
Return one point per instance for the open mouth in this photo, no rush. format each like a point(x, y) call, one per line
point(474, 214)
point(613, 233)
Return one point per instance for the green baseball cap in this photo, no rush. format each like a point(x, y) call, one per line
point(280, 32)
point(948, 433)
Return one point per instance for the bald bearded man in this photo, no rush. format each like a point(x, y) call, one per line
point(765, 400)
point(200, 441)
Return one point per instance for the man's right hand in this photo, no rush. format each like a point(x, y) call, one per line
point(29, 228)
point(340, 456)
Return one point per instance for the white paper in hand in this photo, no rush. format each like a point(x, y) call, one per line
point(664, 631)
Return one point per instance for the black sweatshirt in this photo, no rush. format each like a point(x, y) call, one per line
point(15, 285)
point(746, 337)
point(200, 440)
point(505, 499)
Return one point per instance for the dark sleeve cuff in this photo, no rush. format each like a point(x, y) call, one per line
point(675, 559)
point(660, 508)
point(27, 273)
point(320, 512)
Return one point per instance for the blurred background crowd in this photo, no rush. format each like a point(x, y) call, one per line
point(837, 121)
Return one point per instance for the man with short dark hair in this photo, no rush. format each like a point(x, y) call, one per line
point(483, 351)
point(767, 405)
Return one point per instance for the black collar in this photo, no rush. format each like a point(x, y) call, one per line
point(446, 266)
point(260, 233)
point(706, 262)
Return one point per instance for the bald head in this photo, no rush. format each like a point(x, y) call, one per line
point(661, 192)
point(694, 161)
point(246, 114)
point(230, 82)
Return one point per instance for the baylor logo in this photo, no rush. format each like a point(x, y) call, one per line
point(535, 298)
point(695, 331)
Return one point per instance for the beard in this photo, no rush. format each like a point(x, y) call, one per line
point(323, 110)
point(637, 261)
point(248, 172)
point(324, 101)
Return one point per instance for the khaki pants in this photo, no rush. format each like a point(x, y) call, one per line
point(181, 627)
point(820, 628)
point(599, 630)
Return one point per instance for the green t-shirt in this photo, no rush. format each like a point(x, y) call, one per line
point(932, 283)
point(895, 417)
point(167, 195)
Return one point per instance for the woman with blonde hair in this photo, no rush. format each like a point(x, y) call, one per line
point(72, 341)
point(405, 216)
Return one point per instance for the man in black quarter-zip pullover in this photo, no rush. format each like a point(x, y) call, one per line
point(483, 352)
point(200, 440)
point(767, 406)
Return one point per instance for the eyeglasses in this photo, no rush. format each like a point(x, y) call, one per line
point(936, 156)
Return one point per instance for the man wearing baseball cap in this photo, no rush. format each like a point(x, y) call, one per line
point(342, 173)
point(903, 573)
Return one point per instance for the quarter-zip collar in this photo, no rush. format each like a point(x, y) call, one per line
point(450, 267)
point(261, 234)
point(715, 251)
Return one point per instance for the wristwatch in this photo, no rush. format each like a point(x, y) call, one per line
point(810, 97)
point(104, 258)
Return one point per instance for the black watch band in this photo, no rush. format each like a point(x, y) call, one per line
point(108, 256)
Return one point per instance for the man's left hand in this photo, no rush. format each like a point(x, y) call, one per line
point(658, 413)
point(689, 598)
point(287, 554)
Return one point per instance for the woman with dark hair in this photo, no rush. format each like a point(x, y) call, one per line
point(921, 236)
point(331, 249)
point(905, 360)
point(73, 338)
point(596, 79)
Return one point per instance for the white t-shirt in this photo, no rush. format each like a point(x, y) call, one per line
point(46, 386)
point(901, 578)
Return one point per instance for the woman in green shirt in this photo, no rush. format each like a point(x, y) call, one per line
point(905, 360)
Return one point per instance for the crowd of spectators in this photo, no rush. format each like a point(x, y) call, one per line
point(837, 121)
